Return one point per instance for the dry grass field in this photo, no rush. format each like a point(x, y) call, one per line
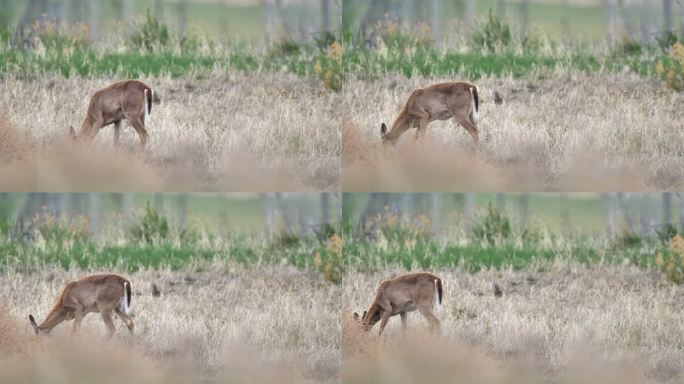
point(235, 132)
point(566, 132)
point(230, 324)
point(564, 323)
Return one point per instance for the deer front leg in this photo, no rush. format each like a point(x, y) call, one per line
point(422, 127)
point(404, 321)
point(385, 318)
point(78, 317)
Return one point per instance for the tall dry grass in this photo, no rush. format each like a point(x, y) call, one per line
point(235, 132)
point(229, 324)
point(568, 131)
point(565, 323)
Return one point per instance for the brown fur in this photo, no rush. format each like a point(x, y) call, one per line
point(436, 102)
point(111, 105)
point(97, 293)
point(404, 294)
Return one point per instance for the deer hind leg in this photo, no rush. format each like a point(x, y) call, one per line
point(126, 319)
point(117, 132)
point(465, 122)
point(404, 321)
point(107, 318)
point(433, 321)
point(137, 123)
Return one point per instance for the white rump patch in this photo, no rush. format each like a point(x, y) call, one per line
point(436, 305)
point(124, 305)
point(473, 108)
point(147, 106)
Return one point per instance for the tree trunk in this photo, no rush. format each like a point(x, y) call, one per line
point(325, 208)
point(501, 202)
point(667, 15)
point(500, 9)
point(469, 204)
point(525, 14)
point(182, 17)
point(159, 9)
point(437, 19)
point(159, 202)
point(524, 209)
point(127, 9)
point(667, 208)
point(95, 20)
point(437, 210)
point(325, 15)
point(95, 200)
point(182, 202)
point(470, 12)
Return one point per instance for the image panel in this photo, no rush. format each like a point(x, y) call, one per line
point(158, 288)
point(132, 95)
point(513, 96)
point(513, 287)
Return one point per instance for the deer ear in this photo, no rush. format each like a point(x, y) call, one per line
point(364, 314)
point(383, 130)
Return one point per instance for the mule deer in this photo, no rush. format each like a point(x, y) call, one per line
point(102, 293)
point(436, 102)
point(401, 295)
point(129, 99)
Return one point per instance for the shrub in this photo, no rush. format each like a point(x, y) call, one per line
point(671, 67)
point(151, 36)
point(403, 41)
point(671, 261)
point(492, 35)
point(328, 67)
point(492, 227)
point(329, 259)
point(150, 227)
point(60, 40)
point(58, 232)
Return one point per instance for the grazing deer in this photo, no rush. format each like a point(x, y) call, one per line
point(129, 99)
point(436, 102)
point(404, 294)
point(102, 293)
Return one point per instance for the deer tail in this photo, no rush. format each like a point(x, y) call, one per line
point(474, 104)
point(438, 293)
point(148, 102)
point(125, 303)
